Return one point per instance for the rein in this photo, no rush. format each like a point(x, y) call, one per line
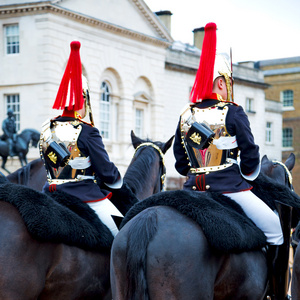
point(162, 156)
point(287, 173)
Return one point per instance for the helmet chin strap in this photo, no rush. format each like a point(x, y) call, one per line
point(228, 85)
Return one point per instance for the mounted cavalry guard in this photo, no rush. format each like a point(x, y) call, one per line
point(73, 150)
point(212, 132)
point(9, 128)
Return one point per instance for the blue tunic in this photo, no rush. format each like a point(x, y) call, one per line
point(229, 179)
point(90, 144)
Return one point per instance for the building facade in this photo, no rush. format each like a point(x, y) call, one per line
point(139, 77)
point(283, 76)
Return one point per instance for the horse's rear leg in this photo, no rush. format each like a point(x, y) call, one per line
point(180, 263)
point(22, 270)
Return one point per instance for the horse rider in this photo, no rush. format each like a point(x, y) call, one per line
point(9, 128)
point(211, 132)
point(73, 150)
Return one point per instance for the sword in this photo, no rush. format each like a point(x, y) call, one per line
point(232, 99)
point(89, 107)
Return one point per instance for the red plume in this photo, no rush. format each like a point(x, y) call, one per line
point(203, 84)
point(72, 78)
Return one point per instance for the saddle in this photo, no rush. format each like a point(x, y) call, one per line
point(57, 217)
point(222, 220)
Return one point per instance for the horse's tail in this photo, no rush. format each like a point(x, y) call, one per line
point(141, 231)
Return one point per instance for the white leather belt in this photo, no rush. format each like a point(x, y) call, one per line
point(210, 169)
point(62, 181)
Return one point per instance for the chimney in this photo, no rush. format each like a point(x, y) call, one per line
point(165, 17)
point(198, 37)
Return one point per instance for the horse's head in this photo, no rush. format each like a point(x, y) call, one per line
point(35, 137)
point(146, 172)
point(278, 171)
point(136, 141)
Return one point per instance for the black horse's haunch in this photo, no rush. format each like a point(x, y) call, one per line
point(20, 148)
point(54, 271)
point(167, 256)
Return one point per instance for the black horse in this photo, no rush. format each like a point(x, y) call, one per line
point(55, 270)
point(20, 147)
point(161, 253)
point(32, 175)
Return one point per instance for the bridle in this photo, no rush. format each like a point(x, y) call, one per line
point(288, 175)
point(162, 162)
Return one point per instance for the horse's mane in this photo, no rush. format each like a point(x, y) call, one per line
point(22, 175)
point(143, 159)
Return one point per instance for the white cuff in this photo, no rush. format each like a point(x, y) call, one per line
point(253, 175)
point(117, 185)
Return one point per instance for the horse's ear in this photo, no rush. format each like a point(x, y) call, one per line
point(264, 159)
point(135, 140)
point(167, 145)
point(290, 162)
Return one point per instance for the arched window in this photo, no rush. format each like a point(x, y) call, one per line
point(288, 98)
point(105, 110)
point(287, 137)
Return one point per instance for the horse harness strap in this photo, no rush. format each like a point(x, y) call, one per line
point(162, 156)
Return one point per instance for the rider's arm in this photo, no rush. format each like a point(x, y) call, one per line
point(4, 128)
point(237, 123)
point(101, 164)
point(182, 163)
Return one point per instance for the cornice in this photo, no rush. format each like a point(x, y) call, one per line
point(47, 7)
point(152, 20)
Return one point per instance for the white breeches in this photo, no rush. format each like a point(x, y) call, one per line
point(260, 213)
point(105, 209)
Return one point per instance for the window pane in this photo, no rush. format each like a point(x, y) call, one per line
point(139, 122)
point(269, 132)
point(105, 111)
point(249, 105)
point(287, 137)
point(12, 39)
point(288, 98)
point(13, 102)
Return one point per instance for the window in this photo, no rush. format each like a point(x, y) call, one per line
point(287, 137)
point(139, 120)
point(250, 105)
point(269, 132)
point(12, 39)
point(13, 102)
point(105, 111)
point(288, 98)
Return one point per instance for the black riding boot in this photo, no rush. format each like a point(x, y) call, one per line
point(279, 271)
point(278, 257)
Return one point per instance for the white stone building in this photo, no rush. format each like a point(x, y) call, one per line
point(139, 77)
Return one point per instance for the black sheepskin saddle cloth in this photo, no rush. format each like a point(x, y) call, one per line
point(222, 220)
point(58, 218)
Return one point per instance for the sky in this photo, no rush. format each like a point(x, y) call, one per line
point(254, 29)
